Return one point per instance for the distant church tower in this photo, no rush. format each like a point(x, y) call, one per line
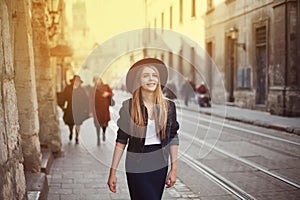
point(80, 35)
point(79, 18)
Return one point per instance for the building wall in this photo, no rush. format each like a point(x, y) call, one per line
point(23, 50)
point(49, 133)
point(284, 79)
point(26, 88)
point(250, 48)
point(184, 21)
point(12, 179)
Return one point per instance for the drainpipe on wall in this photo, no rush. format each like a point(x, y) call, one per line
point(298, 44)
point(286, 58)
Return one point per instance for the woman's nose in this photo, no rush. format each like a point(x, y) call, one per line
point(152, 77)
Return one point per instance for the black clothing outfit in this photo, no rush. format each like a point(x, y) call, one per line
point(80, 105)
point(77, 109)
point(170, 91)
point(188, 89)
point(149, 184)
point(146, 165)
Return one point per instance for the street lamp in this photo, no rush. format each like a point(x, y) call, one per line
point(234, 35)
point(54, 12)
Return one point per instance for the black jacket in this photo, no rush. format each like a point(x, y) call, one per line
point(129, 133)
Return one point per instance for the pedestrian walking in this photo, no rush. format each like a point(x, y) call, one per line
point(170, 90)
point(187, 90)
point(100, 100)
point(75, 104)
point(148, 124)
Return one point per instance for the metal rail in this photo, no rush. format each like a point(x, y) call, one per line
point(212, 175)
point(244, 161)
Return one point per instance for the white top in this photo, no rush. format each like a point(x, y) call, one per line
point(151, 137)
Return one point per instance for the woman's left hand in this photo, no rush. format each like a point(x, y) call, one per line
point(171, 178)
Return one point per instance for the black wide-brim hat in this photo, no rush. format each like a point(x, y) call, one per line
point(158, 64)
point(76, 77)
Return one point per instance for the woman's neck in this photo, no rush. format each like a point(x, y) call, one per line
point(148, 98)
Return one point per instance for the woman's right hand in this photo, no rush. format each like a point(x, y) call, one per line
point(112, 181)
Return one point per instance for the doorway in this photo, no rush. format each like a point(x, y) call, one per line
point(261, 65)
point(261, 75)
point(229, 71)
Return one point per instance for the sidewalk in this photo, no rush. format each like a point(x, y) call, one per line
point(81, 174)
point(258, 118)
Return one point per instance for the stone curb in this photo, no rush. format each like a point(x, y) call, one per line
point(37, 183)
point(36, 186)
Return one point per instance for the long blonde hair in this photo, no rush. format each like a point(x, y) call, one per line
point(160, 111)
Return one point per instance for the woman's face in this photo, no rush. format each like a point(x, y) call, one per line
point(149, 79)
point(77, 83)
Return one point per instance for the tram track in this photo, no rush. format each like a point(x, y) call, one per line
point(223, 182)
point(215, 177)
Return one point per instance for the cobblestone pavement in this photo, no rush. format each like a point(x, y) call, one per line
point(83, 170)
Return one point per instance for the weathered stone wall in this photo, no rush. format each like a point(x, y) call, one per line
point(282, 82)
point(284, 95)
point(245, 99)
point(12, 179)
point(26, 88)
point(48, 118)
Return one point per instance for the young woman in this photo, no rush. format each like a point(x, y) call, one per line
point(148, 124)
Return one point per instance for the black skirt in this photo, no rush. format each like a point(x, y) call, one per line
point(146, 173)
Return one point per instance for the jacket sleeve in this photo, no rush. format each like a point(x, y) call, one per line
point(123, 123)
point(174, 140)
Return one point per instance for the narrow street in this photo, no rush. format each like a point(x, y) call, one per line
point(241, 57)
point(218, 159)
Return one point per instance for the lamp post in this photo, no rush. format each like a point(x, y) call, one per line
point(53, 19)
point(234, 35)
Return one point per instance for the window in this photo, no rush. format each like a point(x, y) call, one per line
point(155, 26)
point(244, 77)
point(261, 35)
point(210, 5)
point(171, 17)
point(193, 13)
point(162, 20)
point(228, 1)
point(180, 11)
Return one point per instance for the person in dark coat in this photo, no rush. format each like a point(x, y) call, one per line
point(187, 90)
point(75, 106)
point(170, 90)
point(148, 124)
point(99, 103)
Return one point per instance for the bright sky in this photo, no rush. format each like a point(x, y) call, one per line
point(107, 18)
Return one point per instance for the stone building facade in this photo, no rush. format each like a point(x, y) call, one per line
point(255, 45)
point(12, 179)
point(28, 114)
